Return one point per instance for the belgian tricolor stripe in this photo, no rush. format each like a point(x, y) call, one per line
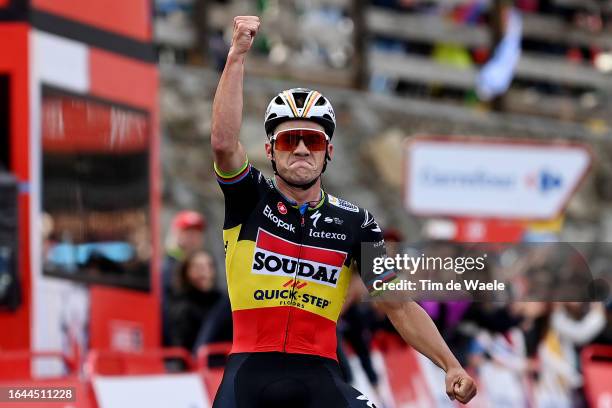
point(312, 98)
point(291, 103)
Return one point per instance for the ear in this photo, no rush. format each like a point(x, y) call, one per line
point(330, 151)
point(268, 151)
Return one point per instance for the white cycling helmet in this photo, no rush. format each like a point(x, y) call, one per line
point(300, 103)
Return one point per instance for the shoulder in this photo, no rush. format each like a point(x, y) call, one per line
point(359, 215)
point(261, 179)
point(342, 204)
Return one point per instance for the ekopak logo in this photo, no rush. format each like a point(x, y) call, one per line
point(544, 181)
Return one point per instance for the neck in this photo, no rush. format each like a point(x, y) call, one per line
point(298, 195)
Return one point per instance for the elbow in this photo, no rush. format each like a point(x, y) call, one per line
point(220, 145)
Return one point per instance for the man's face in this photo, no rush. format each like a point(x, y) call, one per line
point(190, 240)
point(300, 165)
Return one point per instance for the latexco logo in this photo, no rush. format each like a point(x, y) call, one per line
point(279, 257)
point(326, 234)
point(279, 223)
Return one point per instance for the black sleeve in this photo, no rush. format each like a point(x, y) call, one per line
point(370, 246)
point(242, 190)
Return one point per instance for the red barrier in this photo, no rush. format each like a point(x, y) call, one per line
point(212, 375)
point(407, 382)
point(597, 371)
point(17, 365)
point(111, 362)
point(16, 372)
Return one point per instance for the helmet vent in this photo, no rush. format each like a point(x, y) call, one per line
point(320, 102)
point(279, 100)
point(300, 99)
point(272, 116)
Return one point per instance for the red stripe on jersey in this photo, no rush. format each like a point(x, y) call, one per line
point(264, 330)
point(272, 243)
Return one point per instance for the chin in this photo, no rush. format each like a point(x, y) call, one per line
point(302, 178)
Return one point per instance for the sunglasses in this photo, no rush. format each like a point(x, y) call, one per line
point(288, 140)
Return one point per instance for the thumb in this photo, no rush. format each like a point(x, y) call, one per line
point(458, 385)
point(252, 35)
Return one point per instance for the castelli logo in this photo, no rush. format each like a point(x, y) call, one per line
point(281, 208)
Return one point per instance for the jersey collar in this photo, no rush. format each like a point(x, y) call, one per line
point(294, 204)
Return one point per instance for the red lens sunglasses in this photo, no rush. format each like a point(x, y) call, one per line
point(289, 139)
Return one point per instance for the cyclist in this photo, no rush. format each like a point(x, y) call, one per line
point(290, 247)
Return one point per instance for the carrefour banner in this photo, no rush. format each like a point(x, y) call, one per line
point(492, 178)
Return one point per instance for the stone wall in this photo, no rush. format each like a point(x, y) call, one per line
point(367, 167)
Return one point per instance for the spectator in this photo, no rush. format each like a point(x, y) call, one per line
point(354, 328)
point(499, 353)
point(185, 238)
point(605, 337)
point(218, 327)
point(572, 325)
point(194, 296)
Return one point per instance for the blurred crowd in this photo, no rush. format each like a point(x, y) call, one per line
point(523, 353)
point(347, 44)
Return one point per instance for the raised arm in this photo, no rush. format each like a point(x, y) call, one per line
point(228, 152)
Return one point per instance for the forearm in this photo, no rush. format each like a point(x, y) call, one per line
point(227, 114)
point(417, 329)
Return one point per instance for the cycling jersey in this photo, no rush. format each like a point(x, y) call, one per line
point(288, 267)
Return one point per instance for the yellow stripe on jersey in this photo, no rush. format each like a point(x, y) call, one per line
point(250, 290)
point(231, 174)
point(230, 239)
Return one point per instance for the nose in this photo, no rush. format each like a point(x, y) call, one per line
point(301, 148)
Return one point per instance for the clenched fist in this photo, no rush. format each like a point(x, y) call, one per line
point(245, 30)
point(459, 385)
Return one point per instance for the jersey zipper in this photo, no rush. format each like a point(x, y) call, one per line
point(302, 210)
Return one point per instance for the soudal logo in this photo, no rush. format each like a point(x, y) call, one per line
point(279, 223)
point(279, 257)
point(281, 208)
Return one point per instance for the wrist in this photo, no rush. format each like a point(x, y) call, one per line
point(451, 364)
point(235, 57)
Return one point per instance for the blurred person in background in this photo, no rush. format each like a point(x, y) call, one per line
point(571, 326)
point(186, 236)
point(354, 328)
point(193, 297)
point(605, 337)
point(499, 353)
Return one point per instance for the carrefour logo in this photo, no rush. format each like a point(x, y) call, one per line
point(466, 179)
point(544, 181)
